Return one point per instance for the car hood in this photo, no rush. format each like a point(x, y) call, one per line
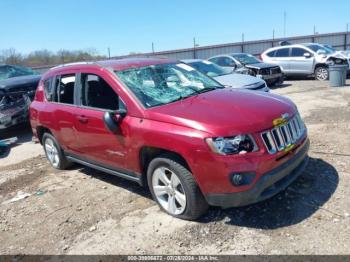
point(20, 83)
point(260, 65)
point(238, 80)
point(340, 54)
point(225, 112)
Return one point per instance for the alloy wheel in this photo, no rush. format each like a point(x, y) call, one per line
point(169, 191)
point(52, 152)
point(322, 74)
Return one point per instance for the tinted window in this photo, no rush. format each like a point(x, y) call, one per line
point(246, 59)
point(298, 51)
point(225, 61)
point(284, 52)
point(98, 94)
point(210, 69)
point(271, 53)
point(65, 86)
point(214, 60)
point(49, 89)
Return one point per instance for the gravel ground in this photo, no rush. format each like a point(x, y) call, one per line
point(83, 211)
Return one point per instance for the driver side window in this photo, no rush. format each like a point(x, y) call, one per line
point(97, 93)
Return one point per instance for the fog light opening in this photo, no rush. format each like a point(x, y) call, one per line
point(237, 179)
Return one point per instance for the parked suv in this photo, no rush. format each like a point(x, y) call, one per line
point(161, 123)
point(248, 64)
point(303, 59)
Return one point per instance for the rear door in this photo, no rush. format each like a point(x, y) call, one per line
point(96, 143)
point(301, 61)
point(63, 110)
point(281, 58)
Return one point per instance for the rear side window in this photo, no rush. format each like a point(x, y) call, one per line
point(49, 89)
point(65, 88)
point(225, 61)
point(283, 52)
point(213, 60)
point(271, 53)
point(97, 93)
point(296, 51)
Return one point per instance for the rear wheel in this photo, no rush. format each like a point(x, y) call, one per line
point(54, 152)
point(174, 188)
point(321, 73)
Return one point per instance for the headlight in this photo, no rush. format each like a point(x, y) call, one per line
point(239, 144)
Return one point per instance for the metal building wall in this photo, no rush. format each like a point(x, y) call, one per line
point(340, 41)
point(337, 40)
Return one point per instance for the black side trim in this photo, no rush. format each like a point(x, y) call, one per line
point(112, 171)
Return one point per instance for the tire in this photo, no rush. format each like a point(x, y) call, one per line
point(169, 191)
point(54, 152)
point(321, 73)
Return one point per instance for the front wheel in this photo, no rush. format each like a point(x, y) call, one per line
point(321, 73)
point(174, 188)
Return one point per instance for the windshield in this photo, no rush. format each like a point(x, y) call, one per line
point(316, 48)
point(246, 59)
point(165, 83)
point(210, 69)
point(7, 71)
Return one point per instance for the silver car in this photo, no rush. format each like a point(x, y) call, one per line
point(226, 76)
point(303, 59)
point(244, 63)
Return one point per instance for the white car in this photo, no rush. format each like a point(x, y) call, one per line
point(227, 77)
point(303, 59)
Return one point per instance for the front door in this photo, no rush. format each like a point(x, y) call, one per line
point(301, 61)
point(96, 143)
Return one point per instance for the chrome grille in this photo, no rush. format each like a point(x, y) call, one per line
point(280, 137)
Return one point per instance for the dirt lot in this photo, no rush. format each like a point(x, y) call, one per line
point(82, 211)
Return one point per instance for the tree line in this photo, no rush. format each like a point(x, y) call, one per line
point(45, 57)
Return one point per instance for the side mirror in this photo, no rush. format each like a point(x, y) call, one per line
point(307, 55)
point(112, 119)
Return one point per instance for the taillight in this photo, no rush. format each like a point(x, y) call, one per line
point(260, 57)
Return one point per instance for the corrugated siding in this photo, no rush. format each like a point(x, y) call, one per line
point(253, 47)
point(331, 40)
point(257, 48)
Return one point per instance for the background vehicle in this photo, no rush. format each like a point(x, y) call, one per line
point(228, 77)
point(342, 53)
point(17, 89)
point(248, 64)
point(303, 59)
point(162, 123)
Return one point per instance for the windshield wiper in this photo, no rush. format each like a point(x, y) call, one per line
point(181, 97)
point(209, 88)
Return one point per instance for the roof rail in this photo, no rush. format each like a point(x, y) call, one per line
point(75, 63)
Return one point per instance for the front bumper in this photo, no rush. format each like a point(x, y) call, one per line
point(273, 79)
point(267, 186)
point(18, 118)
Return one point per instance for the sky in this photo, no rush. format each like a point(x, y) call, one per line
point(132, 25)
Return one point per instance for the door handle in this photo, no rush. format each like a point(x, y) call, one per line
point(83, 119)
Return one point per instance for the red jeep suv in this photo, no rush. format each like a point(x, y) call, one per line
point(161, 123)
